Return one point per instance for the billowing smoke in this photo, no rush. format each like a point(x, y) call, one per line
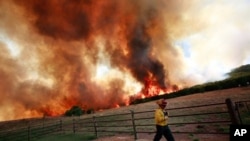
point(97, 54)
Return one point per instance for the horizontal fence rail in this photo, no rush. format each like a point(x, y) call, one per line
point(199, 119)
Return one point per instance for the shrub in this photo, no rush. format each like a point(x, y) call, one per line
point(74, 111)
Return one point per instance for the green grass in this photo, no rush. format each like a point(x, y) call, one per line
point(67, 137)
point(245, 117)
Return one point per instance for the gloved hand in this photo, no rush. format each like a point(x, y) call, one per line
point(166, 117)
point(165, 113)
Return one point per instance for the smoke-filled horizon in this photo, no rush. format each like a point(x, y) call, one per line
point(99, 54)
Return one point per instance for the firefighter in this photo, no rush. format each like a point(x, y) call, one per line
point(161, 120)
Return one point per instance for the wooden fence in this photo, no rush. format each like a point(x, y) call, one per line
point(200, 119)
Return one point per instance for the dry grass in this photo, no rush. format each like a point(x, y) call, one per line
point(236, 94)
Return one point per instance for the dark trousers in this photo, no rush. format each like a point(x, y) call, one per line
point(165, 131)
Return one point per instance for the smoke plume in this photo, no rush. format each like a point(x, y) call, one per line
point(96, 54)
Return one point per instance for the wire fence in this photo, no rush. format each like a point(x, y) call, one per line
point(199, 119)
point(30, 133)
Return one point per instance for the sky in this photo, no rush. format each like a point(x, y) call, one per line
point(103, 54)
point(222, 43)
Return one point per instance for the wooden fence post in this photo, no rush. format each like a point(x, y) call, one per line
point(43, 121)
point(237, 108)
point(28, 133)
point(60, 122)
point(74, 128)
point(95, 126)
point(232, 113)
point(133, 123)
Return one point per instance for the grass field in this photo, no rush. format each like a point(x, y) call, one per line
point(236, 94)
point(67, 137)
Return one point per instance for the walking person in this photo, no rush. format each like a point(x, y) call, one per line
point(161, 120)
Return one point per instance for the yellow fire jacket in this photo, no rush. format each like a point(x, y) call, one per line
point(160, 118)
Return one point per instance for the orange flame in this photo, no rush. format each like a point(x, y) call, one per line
point(94, 54)
point(153, 89)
